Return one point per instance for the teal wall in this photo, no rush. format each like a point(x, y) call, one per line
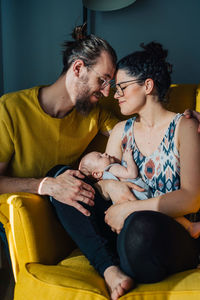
point(174, 23)
point(32, 32)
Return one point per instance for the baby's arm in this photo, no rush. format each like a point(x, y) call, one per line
point(129, 172)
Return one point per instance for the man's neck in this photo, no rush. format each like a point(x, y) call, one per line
point(54, 99)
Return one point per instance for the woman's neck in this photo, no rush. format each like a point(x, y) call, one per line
point(153, 114)
point(151, 126)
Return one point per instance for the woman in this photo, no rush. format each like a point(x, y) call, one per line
point(166, 150)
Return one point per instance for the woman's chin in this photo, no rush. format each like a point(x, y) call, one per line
point(125, 112)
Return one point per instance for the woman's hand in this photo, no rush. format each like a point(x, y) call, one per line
point(117, 214)
point(193, 114)
point(118, 191)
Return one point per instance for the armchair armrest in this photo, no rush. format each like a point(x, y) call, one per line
point(34, 234)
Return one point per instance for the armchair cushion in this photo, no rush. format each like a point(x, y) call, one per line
point(74, 278)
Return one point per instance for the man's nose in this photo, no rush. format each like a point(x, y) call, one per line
point(106, 91)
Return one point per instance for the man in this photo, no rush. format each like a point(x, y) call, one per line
point(45, 126)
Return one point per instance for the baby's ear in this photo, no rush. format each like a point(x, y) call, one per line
point(97, 175)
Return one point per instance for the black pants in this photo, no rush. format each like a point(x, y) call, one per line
point(150, 246)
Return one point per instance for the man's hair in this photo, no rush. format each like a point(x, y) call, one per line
point(85, 47)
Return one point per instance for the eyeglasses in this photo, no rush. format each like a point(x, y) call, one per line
point(103, 82)
point(120, 90)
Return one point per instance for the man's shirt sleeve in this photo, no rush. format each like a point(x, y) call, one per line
point(6, 133)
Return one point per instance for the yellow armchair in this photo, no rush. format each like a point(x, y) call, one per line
point(45, 261)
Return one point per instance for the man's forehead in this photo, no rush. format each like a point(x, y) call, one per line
point(104, 66)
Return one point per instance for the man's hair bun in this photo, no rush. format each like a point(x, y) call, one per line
point(80, 32)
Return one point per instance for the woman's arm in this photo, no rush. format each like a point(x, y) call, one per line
point(177, 203)
point(113, 147)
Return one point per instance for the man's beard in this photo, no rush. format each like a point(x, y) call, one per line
point(84, 105)
point(83, 101)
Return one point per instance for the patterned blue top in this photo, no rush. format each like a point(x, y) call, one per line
point(160, 170)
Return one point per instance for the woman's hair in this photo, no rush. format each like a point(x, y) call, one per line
point(85, 47)
point(149, 63)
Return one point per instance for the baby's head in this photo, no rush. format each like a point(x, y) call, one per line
point(94, 163)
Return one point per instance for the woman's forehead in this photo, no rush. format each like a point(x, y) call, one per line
point(122, 75)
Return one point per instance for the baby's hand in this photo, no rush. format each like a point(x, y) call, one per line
point(128, 154)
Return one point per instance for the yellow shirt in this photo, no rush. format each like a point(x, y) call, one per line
point(33, 142)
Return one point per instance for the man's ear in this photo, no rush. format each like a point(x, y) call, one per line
point(77, 66)
point(149, 85)
point(97, 175)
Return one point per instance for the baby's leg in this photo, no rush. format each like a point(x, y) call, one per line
point(192, 227)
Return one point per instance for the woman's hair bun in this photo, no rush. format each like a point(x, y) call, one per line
point(155, 49)
point(80, 32)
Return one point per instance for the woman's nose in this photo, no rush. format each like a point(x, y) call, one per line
point(116, 95)
point(105, 154)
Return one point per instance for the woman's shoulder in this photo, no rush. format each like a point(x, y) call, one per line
point(188, 123)
point(187, 129)
point(123, 125)
point(119, 126)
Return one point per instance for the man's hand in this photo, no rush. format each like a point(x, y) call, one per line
point(68, 188)
point(193, 114)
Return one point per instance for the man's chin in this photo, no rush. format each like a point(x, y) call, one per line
point(84, 107)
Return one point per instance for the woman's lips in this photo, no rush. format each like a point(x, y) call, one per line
point(121, 102)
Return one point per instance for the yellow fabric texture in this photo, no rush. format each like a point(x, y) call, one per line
point(198, 98)
point(181, 96)
point(62, 140)
point(47, 264)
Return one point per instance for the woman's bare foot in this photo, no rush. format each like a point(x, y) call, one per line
point(118, 283)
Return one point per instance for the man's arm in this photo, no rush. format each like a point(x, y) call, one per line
point(67, 187)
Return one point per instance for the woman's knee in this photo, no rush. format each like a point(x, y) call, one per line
point(143, 246)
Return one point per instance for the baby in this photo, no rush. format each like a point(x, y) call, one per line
point(103, 166)
point(99, 166)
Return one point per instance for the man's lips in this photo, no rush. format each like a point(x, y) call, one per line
point(97, 95)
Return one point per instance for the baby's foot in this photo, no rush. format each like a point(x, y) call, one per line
point(118, 283)
point(194, 229)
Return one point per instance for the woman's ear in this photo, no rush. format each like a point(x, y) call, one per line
point(97, 175)
point(149, 85)
point(77, 66)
